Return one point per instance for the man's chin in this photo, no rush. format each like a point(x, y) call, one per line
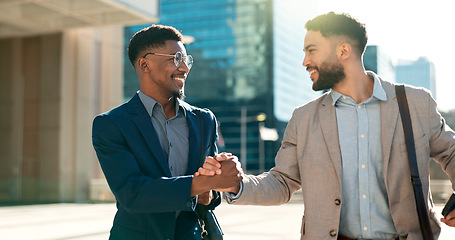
point(316, 87)
point(180, 95)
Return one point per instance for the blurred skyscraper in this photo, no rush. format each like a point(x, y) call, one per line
point(60, 66)
point(247, 61)
point(419, 73)
point(378, 61)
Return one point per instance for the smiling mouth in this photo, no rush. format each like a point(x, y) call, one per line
point(312, 71)
point(179, 78)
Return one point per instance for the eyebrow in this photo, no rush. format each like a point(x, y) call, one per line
point(311, 45)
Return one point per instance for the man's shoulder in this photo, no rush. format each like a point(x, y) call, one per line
point(190, 108)
point(418, 97)
point(417, 91)
point(313, 104)
point(410, 89)
point(119, 110)
point(133, 106)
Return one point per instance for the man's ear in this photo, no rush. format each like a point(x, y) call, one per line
point(344, 51)
point(142, 64)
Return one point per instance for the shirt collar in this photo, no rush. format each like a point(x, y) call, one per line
point(378, 90)
point(150, 103)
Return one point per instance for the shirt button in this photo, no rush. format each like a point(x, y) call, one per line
point(333, 233)
point(365, 228)
point(364, 196)
point(189, 204)
point(363, 165)
point(359, 106)
point(344, 97)
point(337, 201)
point(362, 135)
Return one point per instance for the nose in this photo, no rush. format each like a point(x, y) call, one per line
point(184, 67)
point(306, 61)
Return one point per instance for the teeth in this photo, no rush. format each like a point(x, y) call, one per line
point(312, 71)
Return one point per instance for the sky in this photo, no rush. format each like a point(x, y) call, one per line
point(409, 29)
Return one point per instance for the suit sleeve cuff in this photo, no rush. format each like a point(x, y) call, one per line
point(231, 197)
point(194, 202)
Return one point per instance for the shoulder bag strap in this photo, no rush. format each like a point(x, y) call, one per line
point(415, 179)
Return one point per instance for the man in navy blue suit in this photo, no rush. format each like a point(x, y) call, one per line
point(149, 148)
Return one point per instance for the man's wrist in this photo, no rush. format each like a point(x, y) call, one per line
point(234, 196)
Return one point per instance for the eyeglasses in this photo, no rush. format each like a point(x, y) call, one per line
point(178, 58)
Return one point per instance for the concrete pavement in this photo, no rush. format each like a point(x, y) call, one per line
point(93, 221)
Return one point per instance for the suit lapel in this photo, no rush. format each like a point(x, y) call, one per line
point(194, 140)
point(145, 127)
point(389, 119)
point(328, 120)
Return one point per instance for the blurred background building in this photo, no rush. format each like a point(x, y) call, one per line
point(378, 61)
point(61, 64)
point(419, 73)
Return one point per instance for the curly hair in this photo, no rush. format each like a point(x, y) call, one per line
point(151, 37)
point(333, 24)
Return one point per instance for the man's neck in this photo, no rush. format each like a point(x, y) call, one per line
point(168, 103)
point(356, 85)
point(169, 107)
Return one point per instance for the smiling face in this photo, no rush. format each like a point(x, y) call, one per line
point(321, 61)
point(161, 78)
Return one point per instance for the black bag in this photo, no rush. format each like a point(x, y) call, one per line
point(211, 229)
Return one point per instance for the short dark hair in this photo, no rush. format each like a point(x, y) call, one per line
point(334, 24)
point(151, 37)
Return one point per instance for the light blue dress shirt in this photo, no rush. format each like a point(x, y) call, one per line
point(365, 212)
point(172, 133)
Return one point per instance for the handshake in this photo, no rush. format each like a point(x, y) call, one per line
point(221, 172)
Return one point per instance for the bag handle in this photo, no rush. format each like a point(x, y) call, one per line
point(415, 179)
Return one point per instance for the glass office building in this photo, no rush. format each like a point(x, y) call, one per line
point(247, 62)
point(378, 61)
point(420, 73)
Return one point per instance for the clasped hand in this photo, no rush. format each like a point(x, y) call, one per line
point(224, 171)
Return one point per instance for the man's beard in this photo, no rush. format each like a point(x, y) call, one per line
point(329, 75)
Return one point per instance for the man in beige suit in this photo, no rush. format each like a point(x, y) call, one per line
point(346, 149)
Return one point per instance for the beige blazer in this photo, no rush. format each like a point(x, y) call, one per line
point(310, 159)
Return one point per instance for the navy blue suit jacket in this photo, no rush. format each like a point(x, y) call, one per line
point(138, 174)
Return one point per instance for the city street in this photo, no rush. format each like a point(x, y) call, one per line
point(93, 221)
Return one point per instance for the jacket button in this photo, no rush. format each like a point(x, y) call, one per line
point(333, 233)
point(337, 201)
